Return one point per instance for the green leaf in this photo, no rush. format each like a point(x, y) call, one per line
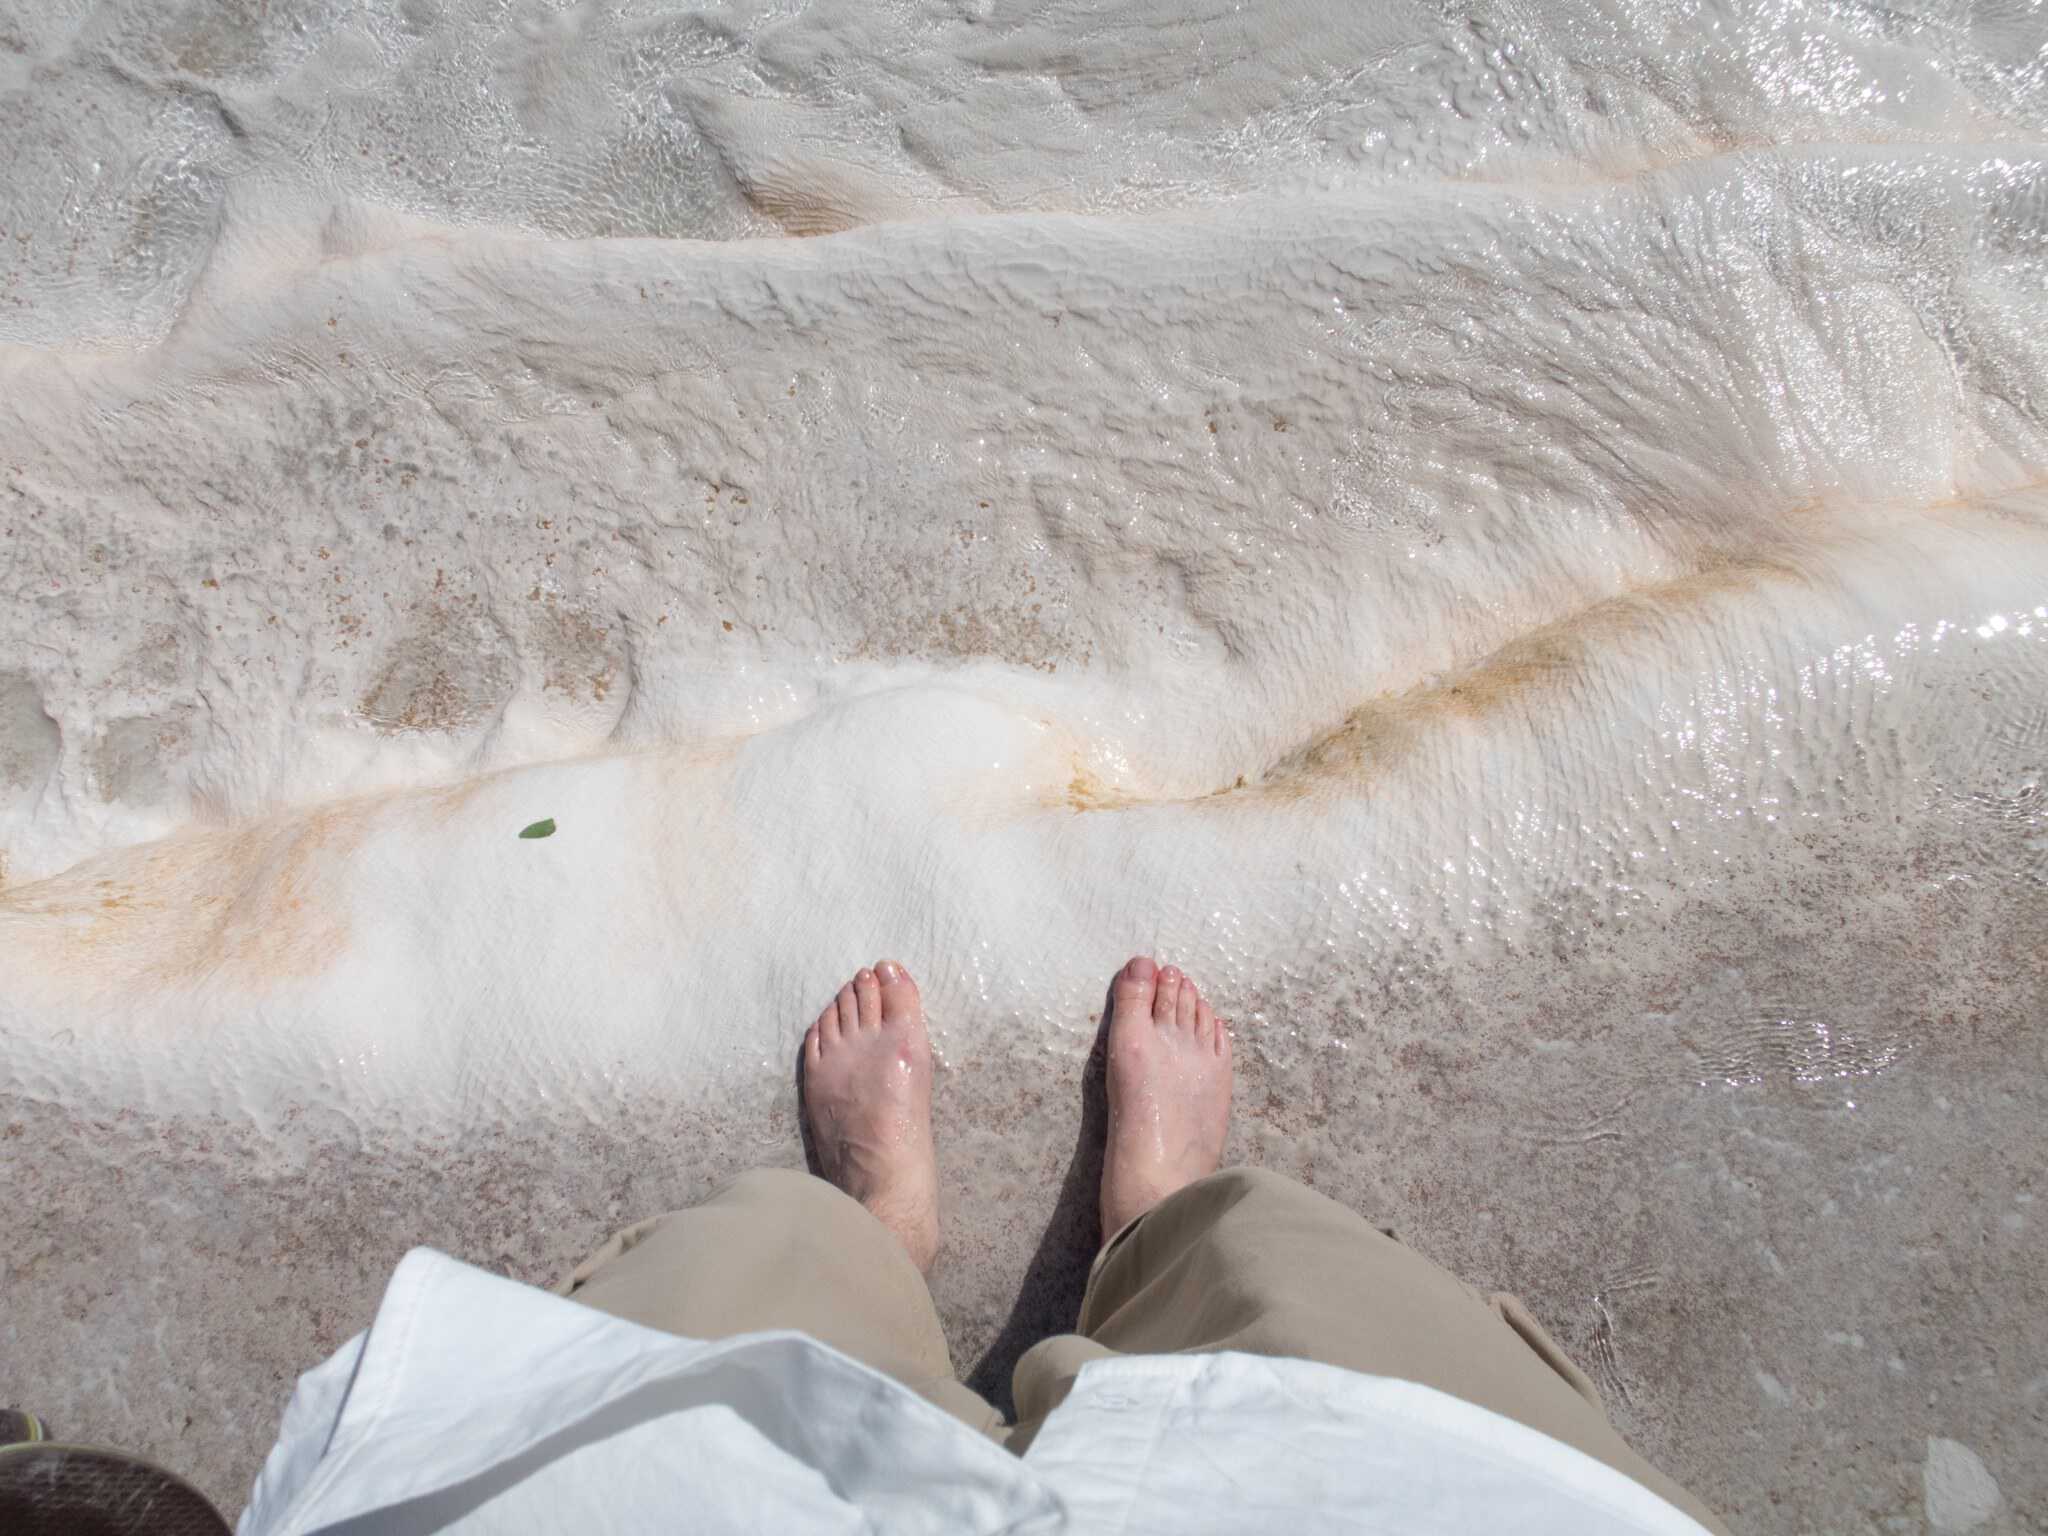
point(540, 829)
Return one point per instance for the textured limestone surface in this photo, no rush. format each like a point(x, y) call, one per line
point(1510, 540)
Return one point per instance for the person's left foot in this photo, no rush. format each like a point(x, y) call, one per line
point(868, 1090)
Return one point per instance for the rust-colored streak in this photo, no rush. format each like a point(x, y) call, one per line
point(1383, 730)
point(1085, 792)
point(248, 906)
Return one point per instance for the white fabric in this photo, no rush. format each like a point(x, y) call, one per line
point(477, 1404)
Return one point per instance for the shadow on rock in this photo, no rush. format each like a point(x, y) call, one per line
point(1050, 1299)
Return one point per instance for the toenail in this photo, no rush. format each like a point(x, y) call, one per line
point(865, 974)
point(891, 971)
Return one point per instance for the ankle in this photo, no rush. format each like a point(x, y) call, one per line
point(913, 1222)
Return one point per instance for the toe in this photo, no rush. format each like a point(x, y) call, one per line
point(1189, 1006)
point(827, 1027)
point(849, 1011)
point(811, 1042)
point(1166, 1002)
point(899, 994)
point(867, 996)
point(1131, 994)
point(1205, 1023)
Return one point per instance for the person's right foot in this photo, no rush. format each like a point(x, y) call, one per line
point(1169, 1091)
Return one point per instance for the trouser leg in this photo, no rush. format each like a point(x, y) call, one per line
point(781, 1249)
point(1249, 1260)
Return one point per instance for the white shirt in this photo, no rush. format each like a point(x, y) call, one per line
point(478, 1404)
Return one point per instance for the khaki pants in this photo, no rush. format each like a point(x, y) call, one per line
point(1245, 1260)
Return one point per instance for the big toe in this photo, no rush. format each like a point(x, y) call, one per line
point(900, 1003)
point(1135, 987)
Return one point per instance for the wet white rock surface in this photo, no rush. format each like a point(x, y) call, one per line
point(1510, 543)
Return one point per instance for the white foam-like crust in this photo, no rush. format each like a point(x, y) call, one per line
point(912, 589)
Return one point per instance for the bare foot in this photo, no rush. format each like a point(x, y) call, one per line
point(868, 1090)
point(1169, 1091)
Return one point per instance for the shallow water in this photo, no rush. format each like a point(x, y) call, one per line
point(1511, 542)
